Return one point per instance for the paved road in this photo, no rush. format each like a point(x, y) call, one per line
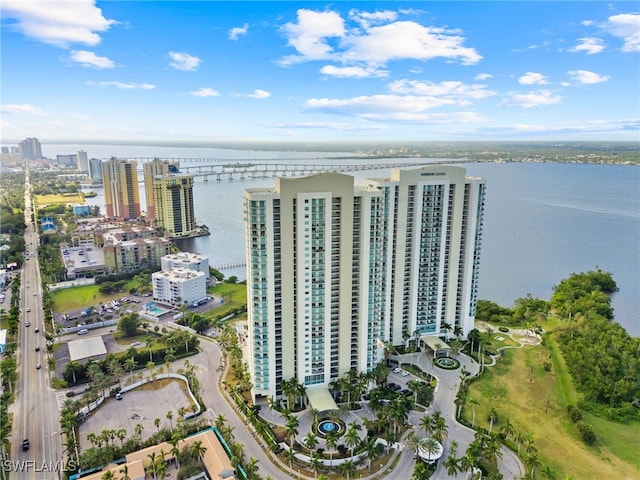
point(35, 411)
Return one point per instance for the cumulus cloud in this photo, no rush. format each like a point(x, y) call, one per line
point(588, 46)
point(57, 23)
point(533, 78)
point(90, 59)
point(184, 61)
point(353, 72)
point(22, 108)
point(122, 85)
point(204, 92)
point(530, 99)
point(627, 27)
point(236, 32)
point(376, 39)
point(483, 76)
point(613, 127)
point(260, 94)
point(585, 76)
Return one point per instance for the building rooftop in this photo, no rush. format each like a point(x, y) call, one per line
point(86, 348)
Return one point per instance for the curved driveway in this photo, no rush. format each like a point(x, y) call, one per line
point(208, 361)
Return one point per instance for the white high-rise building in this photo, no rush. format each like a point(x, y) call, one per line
point(179, 286)
point(335, 271)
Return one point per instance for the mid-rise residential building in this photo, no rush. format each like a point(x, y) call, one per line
point(123, 252)
point(156, 168)
point(68, 160)
point(83, 161)
point(188, 260)
point(95, 170)
point(179, 286)
point(120, 180)
point(337, 271)
point(173, 200)
point(30, 149)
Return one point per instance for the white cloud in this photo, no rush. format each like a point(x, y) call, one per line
point(23, 108)
point(184, 61)
point(366, 19)
point(324, 36)
point(533, 78)
point(483, 76)
point(260, 94)
point(531, 99)
point(566, 128)
point(459, 92)
point(236, 32)
point(353, 72)
point(90, 59)
point(308, 36)
point(123, 86)
point(627, 27)
point(204, 92)
point(585, 76)
point(377, 103)
point(58, 23)
point(337, 126)
point(589, 46)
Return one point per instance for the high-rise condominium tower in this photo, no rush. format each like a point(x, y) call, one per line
point(336, 271)
point(30, 149)
point(121, 195)
point(173, 200)
point(153, 169)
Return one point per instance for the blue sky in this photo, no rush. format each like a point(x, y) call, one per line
point(325, 71)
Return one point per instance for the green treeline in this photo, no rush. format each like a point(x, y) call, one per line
point(602, 357)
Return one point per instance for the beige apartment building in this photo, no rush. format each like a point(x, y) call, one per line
point(121, 195)
point(335, 271)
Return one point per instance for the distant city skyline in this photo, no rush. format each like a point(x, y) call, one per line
point(319, 71)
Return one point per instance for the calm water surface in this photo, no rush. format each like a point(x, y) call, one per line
point(542, 221)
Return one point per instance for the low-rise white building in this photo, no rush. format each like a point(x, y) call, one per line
point(191, 261)
point(179, 286)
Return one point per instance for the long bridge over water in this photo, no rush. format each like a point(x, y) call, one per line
point(241, 169)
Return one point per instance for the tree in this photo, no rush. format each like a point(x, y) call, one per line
point(352, 438)
point(170, 418)
point(347, 468)
point(291, 428)
point(129, 324)
point(332, 442)
point(125, 472)
point(197, 449)
point(152, 465)
point(251, 469)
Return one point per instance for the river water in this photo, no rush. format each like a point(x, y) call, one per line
point(543, 221)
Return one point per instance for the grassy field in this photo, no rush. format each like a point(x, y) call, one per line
point(57, 199)
point(234, 294)
point(75, 298)
point(535, 401)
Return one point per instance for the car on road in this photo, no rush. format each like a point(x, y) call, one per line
point(36, 330)
point(27, 324)
point(118, 396)
point(28, 309)
point(37, 349)
point(35, 293)
point(25, 444)
point(38, 366)
point(136, 344)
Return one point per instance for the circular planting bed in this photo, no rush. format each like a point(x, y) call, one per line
point(447, 363)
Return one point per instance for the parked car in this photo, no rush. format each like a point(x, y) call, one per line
point(405, 373)
point(118, 396)
point(397, 370)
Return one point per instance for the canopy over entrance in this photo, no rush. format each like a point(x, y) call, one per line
point(436, 344)
point(321, 400)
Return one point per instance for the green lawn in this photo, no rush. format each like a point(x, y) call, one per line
point(234, 295)
point(535, 402)
point(75, 298)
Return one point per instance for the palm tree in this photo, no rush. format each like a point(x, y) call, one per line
point(197, 450)
point(347, 468)
point(440, 429)
point(156, 423)
point(452, 465)
point(291, 428)
point(316, 465)
point(332, 442)
point(352, 438)
point(125, 472)
point(108, 475)
point(152, 465)
point(507, 429)
point(311, 441)
point(430, 446)
point(413, 442)
point(289, 456)
point(533, 461)
point(251, 468)
point(371, 449)
point(170, 418)
point(474, 402)
point(138, 429)
point(548, 473)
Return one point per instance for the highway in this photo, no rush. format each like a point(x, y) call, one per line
point(36, 413)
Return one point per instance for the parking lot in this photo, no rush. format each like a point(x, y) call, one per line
point(137, 406)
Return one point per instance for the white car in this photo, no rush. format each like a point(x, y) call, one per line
point(405, 373)
point(397, 370)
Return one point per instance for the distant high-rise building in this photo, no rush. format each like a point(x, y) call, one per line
point(153, 169)
point(83, 161)
point(173, 200)
point(69, 160)
point(95, 170)
point(5, 150)
point(30, 149)
point(121, 195)
point(335, 272)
